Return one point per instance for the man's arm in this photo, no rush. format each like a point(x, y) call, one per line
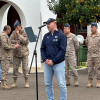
point(12, 38)
point(5, 43)
point(86, 40)
point(23, 38)
point(43, 47)
point(76, 44)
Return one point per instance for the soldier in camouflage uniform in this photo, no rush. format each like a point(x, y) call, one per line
point(93, 57)
point(20, 54)
point(6, 55)
point(0, 59)
point(70, 56)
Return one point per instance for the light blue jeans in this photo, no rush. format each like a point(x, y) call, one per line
point(59, 70)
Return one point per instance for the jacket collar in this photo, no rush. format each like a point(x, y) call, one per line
point(97, 35)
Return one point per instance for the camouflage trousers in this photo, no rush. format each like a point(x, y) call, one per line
point(93, 62)
point(5, 64)
point(17, 61)
point(70, 61)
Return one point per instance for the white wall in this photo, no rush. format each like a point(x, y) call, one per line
point(32, 13)
point(4, 19)
point(46, 14)
point(29, 13)
point(3, 16)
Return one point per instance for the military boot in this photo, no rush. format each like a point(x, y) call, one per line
point(76, 81)
point(68, 82)
point(26, 83)
point(98, 84)
point(14, 83)
point(89, 83)
point(4, 85)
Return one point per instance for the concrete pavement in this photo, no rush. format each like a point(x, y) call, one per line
point(74, 93)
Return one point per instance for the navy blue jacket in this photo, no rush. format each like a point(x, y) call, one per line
point(54, 46)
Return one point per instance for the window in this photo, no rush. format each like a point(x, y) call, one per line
point(82, 28)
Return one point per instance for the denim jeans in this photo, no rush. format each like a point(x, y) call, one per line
point(59, 70)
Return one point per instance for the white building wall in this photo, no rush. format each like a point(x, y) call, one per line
point(3, 16)
point(29, 12)
point(46, 14)
point(32, 13)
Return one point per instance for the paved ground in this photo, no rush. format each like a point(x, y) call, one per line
point(82, 92)
point(74, 93)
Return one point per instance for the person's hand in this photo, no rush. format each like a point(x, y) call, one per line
point(17, 32)
point(50, 63)
point(47, 61)
point(16, 46)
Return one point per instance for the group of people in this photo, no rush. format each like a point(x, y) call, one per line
point(13, 49)
point(59, 51)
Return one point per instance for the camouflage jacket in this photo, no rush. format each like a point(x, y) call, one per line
point(6, 47)
point(93, 44)
point(72, 45)
point(22, 40)
point(0, 47)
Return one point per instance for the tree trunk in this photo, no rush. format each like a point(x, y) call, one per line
point(76, 33)
point(76, 28)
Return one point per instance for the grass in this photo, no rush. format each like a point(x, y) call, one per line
point(82, 65)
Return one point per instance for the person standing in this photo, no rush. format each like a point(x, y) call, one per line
point(0, 60)
point(93, 57)
point(71, 55)
point(6, 55)
point(20, 54)
point(53, 51)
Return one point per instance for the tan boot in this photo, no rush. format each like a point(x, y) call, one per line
point(68, 82)
point(26, 83)
point(4, 85)
point(76, 82)
point(98, 84)
point(89, 83)
point(14, 84)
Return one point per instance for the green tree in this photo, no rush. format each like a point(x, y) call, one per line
point(75, 12)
